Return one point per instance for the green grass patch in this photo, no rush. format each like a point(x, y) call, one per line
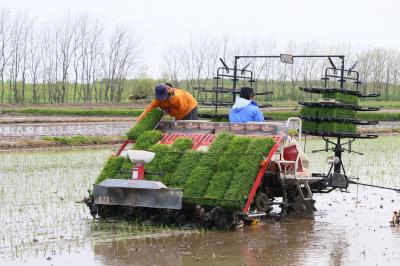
point(75, 112)
point(79, 140)
point(379, 116)
point(147, 123)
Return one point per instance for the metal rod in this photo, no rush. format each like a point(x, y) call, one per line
point(342, 74)
point(234, 78)
point(297, 56)
point(376, 186)
point(338, 154)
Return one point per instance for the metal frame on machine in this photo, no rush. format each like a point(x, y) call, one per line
point(335, 172)
point(224, 72)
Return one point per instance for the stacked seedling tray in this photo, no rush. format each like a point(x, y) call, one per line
point(222, 176)
point(335, 113)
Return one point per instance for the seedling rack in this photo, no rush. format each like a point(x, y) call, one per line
point(336, 176)
point(218, 91)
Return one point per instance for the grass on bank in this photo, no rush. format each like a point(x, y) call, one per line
point(79, 140)
point(74, 111)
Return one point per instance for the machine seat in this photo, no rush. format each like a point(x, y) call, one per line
point(292, 155)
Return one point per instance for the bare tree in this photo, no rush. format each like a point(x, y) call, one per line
point(35, 59)
point(5, 53)
point(121, 60)
point(172, 62)
point(66, 32)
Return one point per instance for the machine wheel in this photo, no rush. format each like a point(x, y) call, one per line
point(297, 205)
point(263, 203)
point(219, 218)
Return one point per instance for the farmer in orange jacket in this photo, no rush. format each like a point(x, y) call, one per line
point(175, 102)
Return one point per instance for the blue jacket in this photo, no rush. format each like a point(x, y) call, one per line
point(245, 111)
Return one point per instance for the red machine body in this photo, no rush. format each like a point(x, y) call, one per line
point(138, 171)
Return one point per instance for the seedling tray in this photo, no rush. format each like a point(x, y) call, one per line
point(344, 91)
point(339, 135)
point(343, 120)
point(338, 104)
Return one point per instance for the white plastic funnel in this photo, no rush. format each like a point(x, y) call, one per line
point(137, 156)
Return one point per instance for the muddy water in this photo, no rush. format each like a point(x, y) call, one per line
point(42, 224)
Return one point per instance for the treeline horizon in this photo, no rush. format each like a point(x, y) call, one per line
point(79, 59)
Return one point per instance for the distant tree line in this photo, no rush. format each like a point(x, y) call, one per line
point(193, 65)
point(79, 59)
point(76, 56)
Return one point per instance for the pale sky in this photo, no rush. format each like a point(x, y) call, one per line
point(362, 23)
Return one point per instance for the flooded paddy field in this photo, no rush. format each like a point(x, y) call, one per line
point(38, 130)
point(42, 223)
point(35, 127)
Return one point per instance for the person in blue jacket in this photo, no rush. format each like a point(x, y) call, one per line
point(245, 108)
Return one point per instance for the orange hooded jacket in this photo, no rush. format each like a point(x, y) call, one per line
point(178, 105)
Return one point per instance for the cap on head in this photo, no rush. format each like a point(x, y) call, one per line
point(161, 91)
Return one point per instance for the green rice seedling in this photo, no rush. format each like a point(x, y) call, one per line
point(197, 183)
point(346, 113)
point(346, 127)
point(219, 184)
point(160, 150)
point(182, 144)
point(147, 123)
point(125, 169)
point(230, 158)
point(171, 159)
point(247, 169)
point(326, 127)
point(309, 111)
point(337, 112)
point(115, 167)
point(168, 164)
point(341, 97)
point(310, 126)
point(147, 139)
point(186, 165)
point(167, 159)
point(217, 148)
point(336, 127)
point(226, 166)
